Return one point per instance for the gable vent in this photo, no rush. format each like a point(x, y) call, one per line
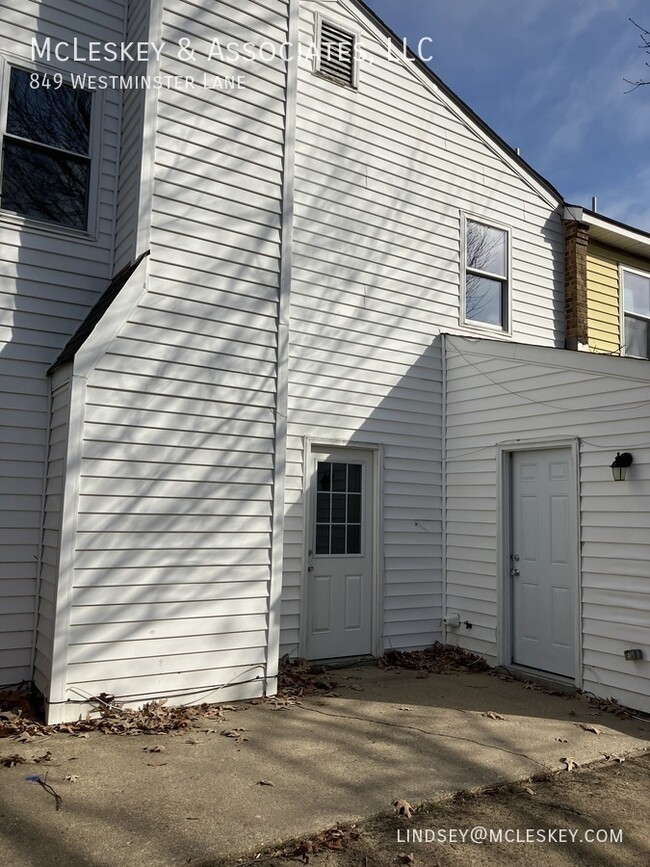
point(336, 54)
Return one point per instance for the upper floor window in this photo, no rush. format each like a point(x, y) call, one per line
point(636, 313)
point(336, 55)
point(487, 283)
point(46, 150)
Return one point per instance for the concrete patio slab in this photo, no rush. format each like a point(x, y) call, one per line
point(386, 734)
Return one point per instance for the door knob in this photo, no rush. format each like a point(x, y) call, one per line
point(514, 573)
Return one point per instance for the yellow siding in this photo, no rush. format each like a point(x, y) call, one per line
point(603, 265)
point(602, 300)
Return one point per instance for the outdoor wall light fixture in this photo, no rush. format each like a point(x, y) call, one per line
point(620, 465)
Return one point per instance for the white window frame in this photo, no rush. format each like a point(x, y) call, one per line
point(11, 218)
point(505, 329)
point(622, 270)
point(318, 24)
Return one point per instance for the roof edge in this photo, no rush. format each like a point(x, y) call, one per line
point(96, 314)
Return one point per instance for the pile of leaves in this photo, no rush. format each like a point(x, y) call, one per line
point(335, 839)
point(298, 678)
point(18, 719)
point(436, 659)
point(610, 705)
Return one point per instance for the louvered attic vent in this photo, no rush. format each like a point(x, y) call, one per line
point(336, 54)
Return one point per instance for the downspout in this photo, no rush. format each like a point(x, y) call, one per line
point(41, 546)
point(150, 114)
point(56, 702)
point(282, 377)
point(443, 464)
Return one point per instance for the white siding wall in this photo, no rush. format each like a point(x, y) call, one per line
point(57, 451)
point(498, 394)
point(172, 569)
point(133, 109)
point(382, 175)
point(49, 280)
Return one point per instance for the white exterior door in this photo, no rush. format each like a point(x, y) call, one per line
point(339, 580)
point(543, 565)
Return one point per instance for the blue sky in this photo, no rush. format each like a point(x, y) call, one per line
point(548, 76)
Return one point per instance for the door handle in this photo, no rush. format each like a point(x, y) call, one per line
point(514, 573)
point(310, 568)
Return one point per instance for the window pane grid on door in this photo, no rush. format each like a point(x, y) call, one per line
point(338, 508)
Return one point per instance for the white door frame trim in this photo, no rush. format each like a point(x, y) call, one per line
point(504, 596)
point(311, 444)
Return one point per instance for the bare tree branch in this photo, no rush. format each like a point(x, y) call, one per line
point(645, 45)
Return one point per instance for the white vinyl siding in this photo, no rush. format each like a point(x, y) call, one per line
point(49, 280)
point(51, 547)
point(173, 546)
point(131, 167)
point(500, 394)
point(382, 177)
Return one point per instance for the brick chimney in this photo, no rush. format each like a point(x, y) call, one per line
point(576, 238)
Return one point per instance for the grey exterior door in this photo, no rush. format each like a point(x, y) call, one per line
point(543, 560)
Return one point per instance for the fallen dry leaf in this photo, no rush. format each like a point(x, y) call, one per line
point(562, 740)
point(71, 778)
point(407, 859)
point(12, 761)
point(618, 759)
point(335, 838)
point(403, 808)
point(157, 749)
point(570, 763)
point(46, 757)
point(26, 738)
point(529, 791)
point(265, 783)
point(587, 728)
point(237, 734)
point(156, 764)
point(492, 715)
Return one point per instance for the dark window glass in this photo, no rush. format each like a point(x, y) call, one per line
point(354, 540)
point(354, 478)
point(323, 508)
point(338, 508)
point(41, 178)
point(44, 185)
point(59, 117)
point(324, 477)
point(338, 539)
point(354, 508)
point(322, 539)
point(338, 511)
point(338, 477)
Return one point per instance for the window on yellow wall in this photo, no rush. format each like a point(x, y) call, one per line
point(636, 313)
